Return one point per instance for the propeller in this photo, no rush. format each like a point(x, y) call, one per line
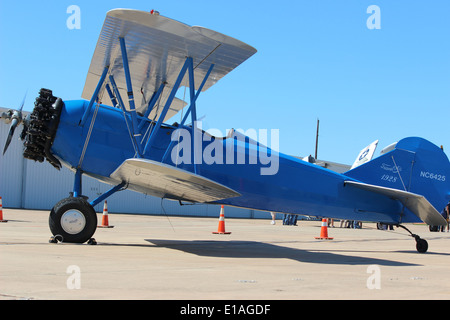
point(15, 118)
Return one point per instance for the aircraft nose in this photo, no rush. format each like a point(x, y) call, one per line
point(40, 129)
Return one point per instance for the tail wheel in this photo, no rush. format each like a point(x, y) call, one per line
point(421, 245)
point(74, 219)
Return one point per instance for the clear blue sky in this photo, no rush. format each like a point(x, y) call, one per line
point(315, 60)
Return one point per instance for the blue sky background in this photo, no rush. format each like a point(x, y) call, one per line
point(315, 60)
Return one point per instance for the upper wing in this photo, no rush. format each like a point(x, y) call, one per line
point(416, 203)
point(166, 181)
point(157, 48)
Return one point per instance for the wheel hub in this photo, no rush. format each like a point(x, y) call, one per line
point(73, 221)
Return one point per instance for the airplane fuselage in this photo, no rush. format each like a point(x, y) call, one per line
point(296, 187)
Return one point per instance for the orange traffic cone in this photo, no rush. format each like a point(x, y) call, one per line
point(105, 222)
point(221, 229)
point(1, 211)
point(324, 231)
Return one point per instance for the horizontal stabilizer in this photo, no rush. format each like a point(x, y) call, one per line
point(164, 181)
point(416, 203)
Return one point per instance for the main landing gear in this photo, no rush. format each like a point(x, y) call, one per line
point(73, 220)
point(421, 244)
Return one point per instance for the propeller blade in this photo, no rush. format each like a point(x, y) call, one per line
point(12, 128)
point(15, 116)
point(23, 102)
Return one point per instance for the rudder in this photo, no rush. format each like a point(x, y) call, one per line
point(414, 165)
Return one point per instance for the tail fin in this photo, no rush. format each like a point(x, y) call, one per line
point(415, 165)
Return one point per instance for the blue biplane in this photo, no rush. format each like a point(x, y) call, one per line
point(118, 134)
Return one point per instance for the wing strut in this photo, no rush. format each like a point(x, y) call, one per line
point(117, 99)
point(152, 103)
point(187, 67)
point(118, 102)
point(126, 68)
point(134, 124)
point(94, 96)
point(155, 130)
point(191, 107)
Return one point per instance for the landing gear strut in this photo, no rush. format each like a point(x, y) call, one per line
point(421, 244)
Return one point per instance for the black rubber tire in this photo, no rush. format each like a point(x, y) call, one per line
point(433, 228)
point(81, 206)
point(421, 245)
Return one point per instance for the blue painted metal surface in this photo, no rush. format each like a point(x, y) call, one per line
point(77, 185)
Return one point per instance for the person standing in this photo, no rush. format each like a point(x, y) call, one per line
point(446, 214)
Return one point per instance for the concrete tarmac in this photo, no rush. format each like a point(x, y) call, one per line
point(172, 258)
